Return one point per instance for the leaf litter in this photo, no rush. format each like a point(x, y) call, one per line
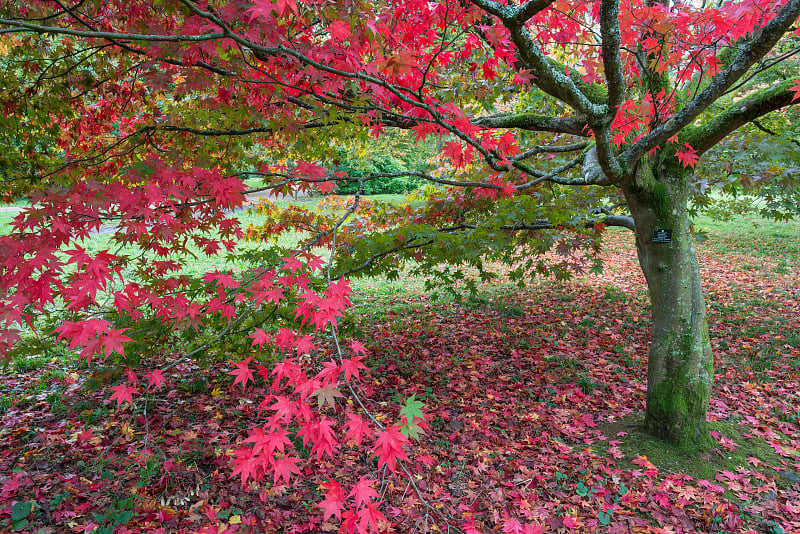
point(532, 400)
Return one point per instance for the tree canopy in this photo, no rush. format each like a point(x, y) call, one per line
point(552, 120)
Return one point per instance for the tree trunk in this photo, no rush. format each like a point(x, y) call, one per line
point(680, 366)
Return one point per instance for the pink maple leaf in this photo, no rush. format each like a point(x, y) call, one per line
point(243, 373)
point(155, 379)
point(123, 393)
point(363, 491)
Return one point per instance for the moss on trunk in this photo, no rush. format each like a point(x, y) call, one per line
point(680, 366)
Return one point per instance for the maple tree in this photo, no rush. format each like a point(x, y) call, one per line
point(557, 119)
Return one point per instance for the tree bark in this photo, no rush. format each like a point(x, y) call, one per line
point(680, 366)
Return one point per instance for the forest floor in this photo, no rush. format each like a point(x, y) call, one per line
point(532, 397)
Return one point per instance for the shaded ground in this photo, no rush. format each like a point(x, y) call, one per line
point(533, 398)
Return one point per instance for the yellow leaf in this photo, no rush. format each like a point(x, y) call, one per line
point(216, 392)
point(235, 520)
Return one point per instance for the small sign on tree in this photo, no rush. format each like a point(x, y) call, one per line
point(662, 235)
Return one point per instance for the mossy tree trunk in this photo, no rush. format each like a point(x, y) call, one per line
point(680, 367)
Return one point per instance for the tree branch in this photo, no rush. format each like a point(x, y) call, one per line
point(533, 7)
point(535, 123)
point(16, 26)
point(554, 82)
point(705, 136)
point(750, 53)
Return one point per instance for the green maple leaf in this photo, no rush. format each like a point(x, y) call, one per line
point(411, 430)
point(412, 409)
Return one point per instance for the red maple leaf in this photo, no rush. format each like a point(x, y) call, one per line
point(424, 129)
point(260, 337)
point(155, 379)
point(352, 366)
point(123, 393)
point(363, 491)
point(326, 187)
point(284, 467)
point(508, 190)
point(507, 144)
point(369, 518)
point(389, 447)
point(243, 373)
point(356, 428)
point(340, 30)
point(292, 264)
point(333, 504)
point(262, 9)
point(314, 263)
point(796, 89)
point(523, 77)
point(688, 157)
point(131, 376)
point(284, 338)
point(304, 345)
point(306, 169)
point(488, 72)
point(286, 7)
point(85, 436)
point(358, 348)
point(456, 153)
point(246, 465)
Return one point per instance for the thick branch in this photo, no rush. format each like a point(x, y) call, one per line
point(750, 53)
point(591, 173)
point(703, 137)
point(535, 123)
point(608, 220)
point(551, 149)
point(609, 29)
point(17, 26)
point(612, 64)
point(554, 82)
point(533, 7)
point(620, 220)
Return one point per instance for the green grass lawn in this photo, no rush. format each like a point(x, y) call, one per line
point(748, 235)
point(754, 236)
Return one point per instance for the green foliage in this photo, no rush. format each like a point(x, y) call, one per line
point(412, 409)
point(391, 153)
point(30, 363)
point(19, 514)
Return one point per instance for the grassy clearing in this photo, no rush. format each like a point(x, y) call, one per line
point(755, 237)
